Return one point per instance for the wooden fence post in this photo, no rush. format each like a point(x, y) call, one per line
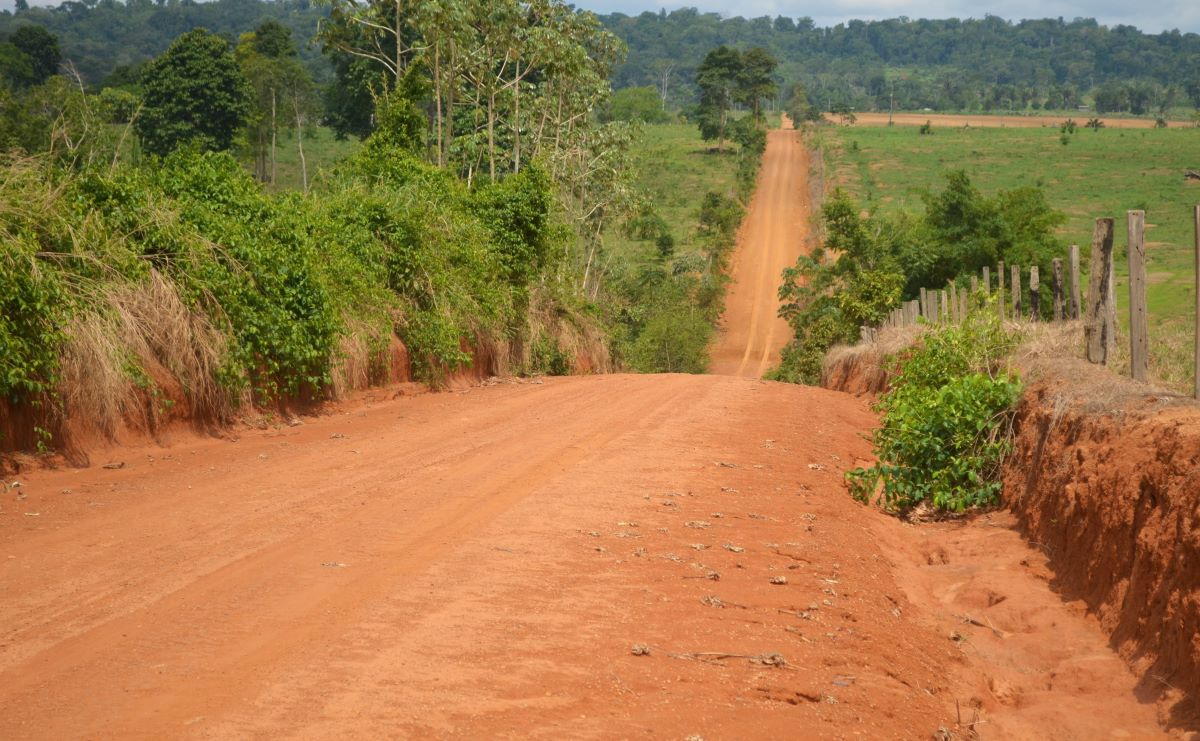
point(1197, 215)
point(1057, 287)
point(924, 303)
point(954, 303)
point(1000, 289)
point(964, 307)
point(1139, 343)
point(1015, 289)
point(987, 279)
point(1035, 295)
point(944, 314)
point(974, 284)
point(1075, 287)
point(1097, 326)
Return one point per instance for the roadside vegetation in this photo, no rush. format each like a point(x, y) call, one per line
point(188, 243)
point(155, 266)
point(945, 421)
point(1098, 172)
point(871, 261)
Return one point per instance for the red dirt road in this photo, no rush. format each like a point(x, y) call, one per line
point(481, 564)
point(772, 236)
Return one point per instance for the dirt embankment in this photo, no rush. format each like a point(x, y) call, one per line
point(75, 427)
point(1113, 499)
point(1105, 482)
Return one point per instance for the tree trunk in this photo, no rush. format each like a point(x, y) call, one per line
point(300, 148)
point(437, 99)
point(517, 120)
point(274, 130)
point(491, 129)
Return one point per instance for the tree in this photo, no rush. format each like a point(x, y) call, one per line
point(15, 70)
point(195, 93)
point(718, 78)
point(798, 106)
point(41, 48)
point(268, 59)
point(754, 81)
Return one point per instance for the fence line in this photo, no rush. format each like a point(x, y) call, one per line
point(952, 305)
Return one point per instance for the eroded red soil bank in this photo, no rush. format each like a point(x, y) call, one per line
point(1113, 499)
point(1105, 481)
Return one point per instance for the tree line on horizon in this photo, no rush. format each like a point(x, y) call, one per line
point(987, 64)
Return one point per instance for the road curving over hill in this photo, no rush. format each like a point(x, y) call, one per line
point(589, 557)
point(773, 234)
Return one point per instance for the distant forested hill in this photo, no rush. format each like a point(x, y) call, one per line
point(97, 37)
point(988, 64)
point(944, 64)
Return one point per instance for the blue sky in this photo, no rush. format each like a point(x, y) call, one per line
point(1154, 16)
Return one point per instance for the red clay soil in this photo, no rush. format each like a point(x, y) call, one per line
point(984, 120)
point(591, 557)
point(1114, 499)
point(773, 234)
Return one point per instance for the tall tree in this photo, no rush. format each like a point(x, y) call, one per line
point(718, 79)
point(41, 48)
point(755, 82)
point(194, 93)
point(268, 59)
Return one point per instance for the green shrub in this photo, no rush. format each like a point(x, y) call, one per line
point(33, 307)
point(945, 422)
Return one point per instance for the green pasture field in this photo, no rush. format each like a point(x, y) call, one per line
point(675, 168)
point(1096, 174)
point(322, 150)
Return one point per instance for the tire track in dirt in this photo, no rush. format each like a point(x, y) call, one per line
point(772, 236)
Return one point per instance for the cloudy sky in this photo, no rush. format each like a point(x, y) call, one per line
point(1154, 16)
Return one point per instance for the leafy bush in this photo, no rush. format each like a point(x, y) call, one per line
point(945, 422)
point(32, 309)
point(720, 216)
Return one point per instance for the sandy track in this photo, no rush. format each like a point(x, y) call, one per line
point(997, 121)
point(480, 564)
point(772, 236)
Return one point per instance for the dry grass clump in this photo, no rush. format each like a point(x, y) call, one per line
point(1053, 354)
point(577, 337)
point(862, 368)
point(160, 327)
point(126, 330)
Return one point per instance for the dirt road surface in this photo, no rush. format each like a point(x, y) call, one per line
point(991, 121)
point(589, 557)
point(773, 235)
point(593, 557)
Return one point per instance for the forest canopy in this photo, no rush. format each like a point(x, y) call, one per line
point(948, 64)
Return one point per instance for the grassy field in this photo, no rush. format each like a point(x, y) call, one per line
point(321, 150)
point(675, 169)
point(1097, 173)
